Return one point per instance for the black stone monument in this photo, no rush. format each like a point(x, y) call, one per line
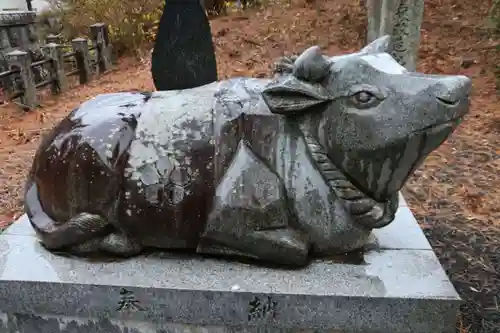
point(183, 55)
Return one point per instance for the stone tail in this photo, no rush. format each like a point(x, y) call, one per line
point(56, 235)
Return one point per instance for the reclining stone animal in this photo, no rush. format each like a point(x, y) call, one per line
point(280, 170)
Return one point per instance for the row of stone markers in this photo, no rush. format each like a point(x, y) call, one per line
point(20, 78)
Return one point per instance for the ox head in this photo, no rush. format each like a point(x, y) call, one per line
point(376, 121)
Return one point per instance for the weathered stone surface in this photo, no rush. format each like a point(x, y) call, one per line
point(302, 166)
point(183, 55)
point(388, 289)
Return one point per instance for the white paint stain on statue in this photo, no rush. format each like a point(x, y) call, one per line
point(162, 145)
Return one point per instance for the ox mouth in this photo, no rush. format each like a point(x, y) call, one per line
point(438, 128)
point(447, 102)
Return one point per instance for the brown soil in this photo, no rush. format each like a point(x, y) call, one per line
point(455, 195)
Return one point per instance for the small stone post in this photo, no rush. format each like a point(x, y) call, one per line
point(82, 55)
point(402, 20)
point(59, 81)
point(53, 39)
point(100, 40)
point(4, 38)
point(20, 59)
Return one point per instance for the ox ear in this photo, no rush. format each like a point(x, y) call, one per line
point(379, 45)
point(291, 96)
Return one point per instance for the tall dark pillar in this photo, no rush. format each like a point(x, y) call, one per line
point(183, 56)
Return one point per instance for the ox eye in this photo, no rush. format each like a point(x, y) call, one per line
point(364, 98)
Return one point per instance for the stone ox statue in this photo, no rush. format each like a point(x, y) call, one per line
point(303, 165)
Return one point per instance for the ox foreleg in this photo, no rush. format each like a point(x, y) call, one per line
point(251, 216)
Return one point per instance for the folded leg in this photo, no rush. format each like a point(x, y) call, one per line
point(250, 217)
point(116, 243)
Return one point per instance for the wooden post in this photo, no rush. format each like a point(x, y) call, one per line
point(100, 40)
point(59, 81)
point(22, 61)
point(82, 55)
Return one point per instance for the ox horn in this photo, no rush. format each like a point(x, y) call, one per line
point(311, 65)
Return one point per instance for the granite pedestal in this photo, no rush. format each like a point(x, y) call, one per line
point(399, 287)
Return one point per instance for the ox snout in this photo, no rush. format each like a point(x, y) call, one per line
point(452, 92)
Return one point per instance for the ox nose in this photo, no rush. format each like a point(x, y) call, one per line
point(453, 89)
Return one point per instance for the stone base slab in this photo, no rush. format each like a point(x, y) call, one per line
point(399, 287)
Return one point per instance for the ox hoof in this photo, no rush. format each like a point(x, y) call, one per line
point(278, 246)
point(114, 243)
